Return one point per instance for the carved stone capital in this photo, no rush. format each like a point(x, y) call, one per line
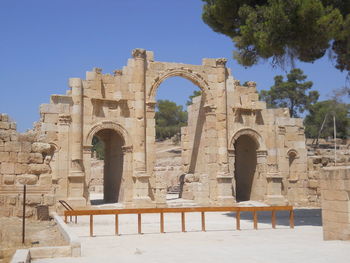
point(87, 149)
point(221, 62)
point(139, 53)
point(150, 106)
point(231, 152)
point(64, 119)
point(127, 149)
point(209, 109)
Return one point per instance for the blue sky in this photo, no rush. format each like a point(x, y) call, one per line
point(43, 43)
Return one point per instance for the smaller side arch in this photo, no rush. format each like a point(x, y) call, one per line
point(108, 125)
point(251, 133)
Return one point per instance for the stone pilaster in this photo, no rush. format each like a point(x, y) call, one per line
point(141, 177)
point(64, 122)
point(76, 173)
point(224, 179)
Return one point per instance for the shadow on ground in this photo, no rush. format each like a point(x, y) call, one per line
point(97, 202)
point(302, 217)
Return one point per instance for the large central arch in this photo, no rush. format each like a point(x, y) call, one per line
point(186, 73)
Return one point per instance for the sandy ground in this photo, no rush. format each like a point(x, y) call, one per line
point(221, 242)
point(38, 234)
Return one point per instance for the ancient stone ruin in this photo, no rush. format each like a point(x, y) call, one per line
point(233, 149)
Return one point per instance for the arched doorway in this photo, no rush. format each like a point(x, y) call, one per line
point(113, 164)
point(245, 166)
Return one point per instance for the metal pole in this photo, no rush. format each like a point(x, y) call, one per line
point(335, 142)
point(24, 213)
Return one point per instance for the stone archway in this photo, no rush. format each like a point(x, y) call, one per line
point(113, 165)
point(247, 157)
point(116, 170)
point(245, 166)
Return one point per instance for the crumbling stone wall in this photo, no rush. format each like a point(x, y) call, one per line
point(24, 159)
point(335, 193)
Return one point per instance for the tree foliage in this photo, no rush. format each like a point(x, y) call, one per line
point(169, 119)
point(291, 93)
point(195, 93)
point(283, 30)
point(329, 108)
point(98, 147)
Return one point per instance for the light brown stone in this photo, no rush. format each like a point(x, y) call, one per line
point(39, 147)
point(29, 179)
point(38, 169)
point(7, 168)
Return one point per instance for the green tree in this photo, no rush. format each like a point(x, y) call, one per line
point(327, 109)
point(195, 93)
point(291, 93)
point(98, 147)
point(169, 119)
point(283, 30)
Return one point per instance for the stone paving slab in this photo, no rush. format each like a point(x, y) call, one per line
point(221, 243)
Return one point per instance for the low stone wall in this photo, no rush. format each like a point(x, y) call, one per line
point(24, 159)
point(335, 193)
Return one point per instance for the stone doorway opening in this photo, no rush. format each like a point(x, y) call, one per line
point(245, 166)
point(109, 149)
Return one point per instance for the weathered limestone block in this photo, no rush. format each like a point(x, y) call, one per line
point(335, 193)
point(4, 125)
point(9, 179)
point(23, 157)
point(26, 147)
point(40, 147)
point(29, 136)
point(5, 135)
point(313, 184)
point(30, 179)
point(21, 168)
point(7, 168)
point(39, 169)
point(45, 179)
point(13, 157)
point(49, 199)
point(36, 158)
point(4, 157)
point(12, 146)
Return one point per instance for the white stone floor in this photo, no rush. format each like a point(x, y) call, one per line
point(221, 242)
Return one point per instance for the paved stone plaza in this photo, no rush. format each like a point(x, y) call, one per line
point(221, 243)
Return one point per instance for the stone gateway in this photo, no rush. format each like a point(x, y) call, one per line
point(233, 149)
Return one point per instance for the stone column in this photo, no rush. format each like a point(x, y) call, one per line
point(211, 151)
point(141, 192)
point(64, 122)
point(224, 179)
point(76, 173)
